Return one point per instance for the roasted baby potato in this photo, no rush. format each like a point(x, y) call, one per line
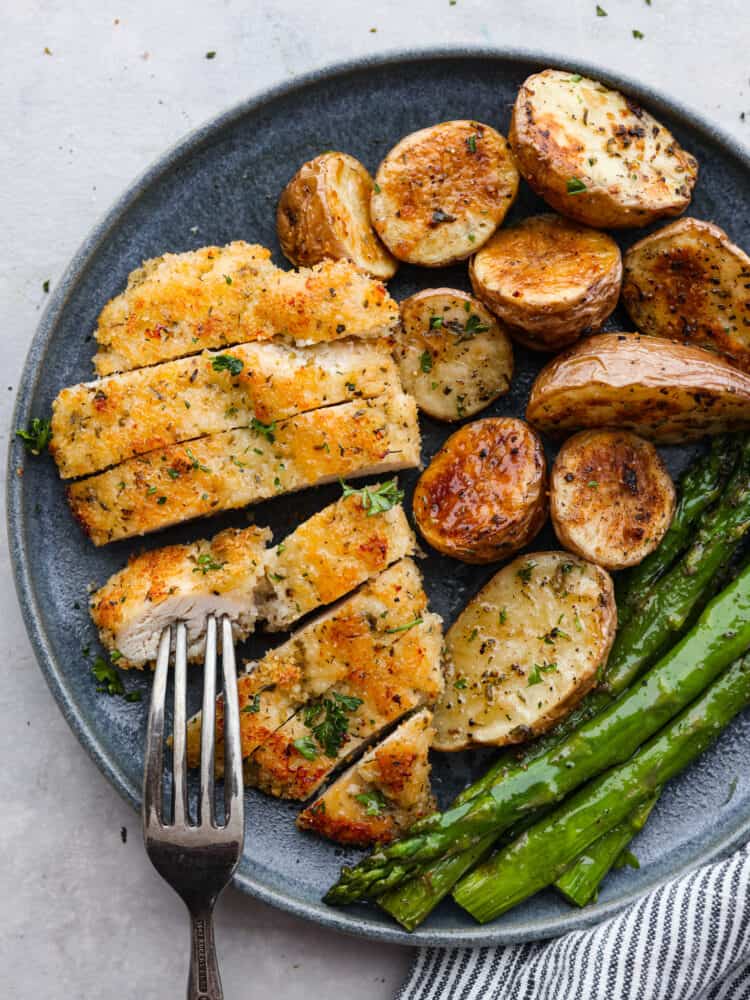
point(595, 155)
point(689, 282)
point(441, 192)
point(549, 278)
point(453, 355)
point(665, 391)
point(484, 494)
point(611, 497)
point(324, 211)
point(525, 650)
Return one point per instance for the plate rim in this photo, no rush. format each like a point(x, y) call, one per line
point(340, 920)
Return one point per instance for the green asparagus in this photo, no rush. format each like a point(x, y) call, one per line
point(542, 854)
point(580, 882)
point(720, 635)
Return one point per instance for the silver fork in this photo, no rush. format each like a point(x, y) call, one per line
point(197, 860)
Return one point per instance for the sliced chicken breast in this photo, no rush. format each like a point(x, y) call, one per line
point(325, 558)
point(181, 582)
point(245, 465)
point(180, 304)
point(98, 424)
point(381, 682)
point(381, 795)
point(318, 656)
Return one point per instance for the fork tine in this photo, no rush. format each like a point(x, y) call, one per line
point(206, 811)
point(154, 763)
point(233, 787)
point(180, 812)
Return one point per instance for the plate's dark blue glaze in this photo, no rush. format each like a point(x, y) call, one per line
point(221, 184)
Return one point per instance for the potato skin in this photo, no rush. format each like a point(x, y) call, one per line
point(440, 193)
point(568, 128)
point(452, 373)
point(484, 494)
point(549, 278)
point(611, 497)
point(664, 391)
point(524, 651)
point(324, 211)
point(690, 283)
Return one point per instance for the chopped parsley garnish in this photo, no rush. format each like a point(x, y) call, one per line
point(211, 55)
point(37, 435)
point(471, 144)
point(207, 563)
point(475, 325)
point(161, 501)
point(524, 573)
point(593, 484)
point(252, 706)
point(268, 431)
point(376, 500)
point(461, 683)
point(173, 473)
point(45, 286)
point(376, 188)
point(575, 185)
point(425, 362)
point(637, 33)
point(535, 674)
point(109, 680)
point(436, 322)
point(553, 634)
point(404, 628)
point(373, 802)
point(305, 745)
point(227, 363)
point(228, 279)
point(194, 461)
point(576, 78)
point(600, 11)
point(327, 721)
point(503, 616)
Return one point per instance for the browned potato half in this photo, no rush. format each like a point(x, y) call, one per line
point(484, 494)
point(549, 278)
point(453, 355)
point(596, 156)
point(525, 650)
point(689, 282)
point(441, 192)
point(611, 498)
point(324, 211)
point(666, 391)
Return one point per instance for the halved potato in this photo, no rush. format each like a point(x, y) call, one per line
point(667, 392)
point(324, 211)
point(689, 282)
point(525, 650)
point(441, 192)
point(595, 155)
point(453, 355)
point(611, 497)
point(549, 278)
point(484, 494)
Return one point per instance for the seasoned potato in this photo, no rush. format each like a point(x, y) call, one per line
point(596, 156)
point(689, 282)
point(525, 650)
point(611, 498)
point(667, 392)
point(549, 278)
point(441, 192)
point(484, 495)
point(454, 356)
point(324, 211)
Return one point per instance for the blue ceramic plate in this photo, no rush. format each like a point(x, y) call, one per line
point(220, 184)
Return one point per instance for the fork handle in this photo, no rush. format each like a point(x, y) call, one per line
point(204, 981)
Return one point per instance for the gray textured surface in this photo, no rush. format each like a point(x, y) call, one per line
point(98, 103)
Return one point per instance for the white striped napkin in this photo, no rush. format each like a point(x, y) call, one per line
point(687, 940)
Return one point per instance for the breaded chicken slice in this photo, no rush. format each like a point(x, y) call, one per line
point(381, 795)
point(381, 683)
point(239, 467)
point(180, 304)
point(327, 556)
point(185, 583)
point(98, 424)
point(318, 656)
point(332, 553)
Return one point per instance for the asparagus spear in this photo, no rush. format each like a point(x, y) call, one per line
point(580, 882)
point(720, 635)
point(699, 487)
point(541, 855)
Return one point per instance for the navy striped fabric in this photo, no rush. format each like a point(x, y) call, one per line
point(687, 940)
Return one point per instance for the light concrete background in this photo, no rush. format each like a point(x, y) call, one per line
point(91, 92)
